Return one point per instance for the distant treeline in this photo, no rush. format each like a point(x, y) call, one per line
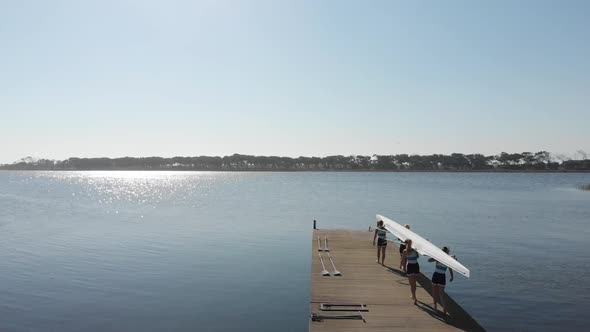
point(525, 161)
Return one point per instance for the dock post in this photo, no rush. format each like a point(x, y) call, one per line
point(314, 224)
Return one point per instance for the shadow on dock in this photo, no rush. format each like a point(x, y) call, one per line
point(458, 316)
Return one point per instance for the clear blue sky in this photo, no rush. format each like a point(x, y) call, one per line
point(142, 78)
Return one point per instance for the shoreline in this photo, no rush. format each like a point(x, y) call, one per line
point(298, 170)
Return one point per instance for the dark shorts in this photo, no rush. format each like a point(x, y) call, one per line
point(402, 247)
point(412, 269)
point(439, 279)
point(381, 243)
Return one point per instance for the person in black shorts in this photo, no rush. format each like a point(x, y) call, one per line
point(410, 260)
point(381, 236)
point(439, 280)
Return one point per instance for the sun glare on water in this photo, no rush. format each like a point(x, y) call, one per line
point(143, 188)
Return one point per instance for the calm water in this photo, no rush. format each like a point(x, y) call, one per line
point(187, 251)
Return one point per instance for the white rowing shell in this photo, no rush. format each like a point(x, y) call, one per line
point(423, 246)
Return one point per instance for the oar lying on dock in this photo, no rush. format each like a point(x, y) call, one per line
point(320, 244)
point(316, 317)
point(336, 272)
point(343, 307)
point(324, 271)
point(326, 248)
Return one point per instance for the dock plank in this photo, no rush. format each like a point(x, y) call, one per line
point(384, 289)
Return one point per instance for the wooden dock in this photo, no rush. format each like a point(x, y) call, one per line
point(383, 289)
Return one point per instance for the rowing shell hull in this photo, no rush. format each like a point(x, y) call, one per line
point(423, 246)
